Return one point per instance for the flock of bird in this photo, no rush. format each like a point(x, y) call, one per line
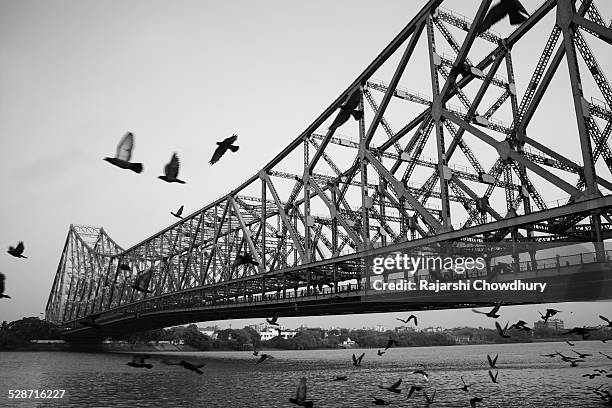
point(126, 145)
point(420, 387)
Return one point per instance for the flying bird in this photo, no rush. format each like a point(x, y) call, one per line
point(549, 313)
point(195, 367)
point(380, 401)
point(581, 331)
point(465, 386)
point(493, 361)
point(423, 373)
point(348, 108)
point(474, 400)
point(300, 396)
point(493, 377)
point(606, 320)
point(357, 361)
point(502, 332)
point(605, 355)
point(224, 146)
point(124, 154)
point(569, 343)
point(246, 259)
point(255, 352)
point(581, 355)
point(272, 321)
point(263, 358)
point(171, 171)
point(408, 320)
point(492, 313)
point(138, 362)
point(390, 342)
point(393, 387)
point(591, 376)
point(574, 363)
point(511, 8)
point(178, 213)
point(429, 399)
point(17, 251)
point(340, 378)
point(380, 353)
point(142, 281)
point(549, 355)
point(2, 295)
point(413, 389)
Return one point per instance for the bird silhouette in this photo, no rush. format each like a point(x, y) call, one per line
point(272, 321)
point(138, 362)
point(224, 146)
point(195, 367)
point(414, 388)
point(423, 373)
point(380, 353)
point(408, 320)
point(178, 213)
point(390, 342)
point(142, 281)
point(340, 378)
point(493, 377)
point(428, 399)
point(124, 154)
point(581, 355)
point(263, 358)
point(380, 401)
point(549, 355)
point(569, 343)
point(502, 332)
point(493, 361)
point(606, 320)
point(244, 259)
point(591, 376)
point(603, 354)
point(17, 251)
point(357, 361)
point(511, 8)
point(492, 313)
point(574, 363)
point(255, 353)
point(171, 171)
point(347, 109)
point(300, 396)
point(474, 400)
point(581, 331)
point(2, 295)
point(465, 386)
point(393, 387)
point(549, 313)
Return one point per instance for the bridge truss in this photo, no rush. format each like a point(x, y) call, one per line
point(465, 158)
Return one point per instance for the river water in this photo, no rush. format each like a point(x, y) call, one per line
point(231, 379)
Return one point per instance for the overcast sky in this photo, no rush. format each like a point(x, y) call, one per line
point(76, 75)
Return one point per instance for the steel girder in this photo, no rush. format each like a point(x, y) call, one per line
point(329, 195)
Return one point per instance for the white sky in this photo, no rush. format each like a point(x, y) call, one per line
point(76, 75)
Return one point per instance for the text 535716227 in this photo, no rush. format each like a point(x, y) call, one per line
point(36, 394)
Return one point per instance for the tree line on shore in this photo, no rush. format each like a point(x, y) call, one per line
point(17, 335)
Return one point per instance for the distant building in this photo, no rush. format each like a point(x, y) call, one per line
point(554, 324)
point(433, 329)
point(461, 338)
point(348, 342)
point(270, 332)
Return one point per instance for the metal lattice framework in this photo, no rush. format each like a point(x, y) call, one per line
point(328, 199)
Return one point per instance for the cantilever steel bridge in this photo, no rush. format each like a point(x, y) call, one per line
point(311, 216)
